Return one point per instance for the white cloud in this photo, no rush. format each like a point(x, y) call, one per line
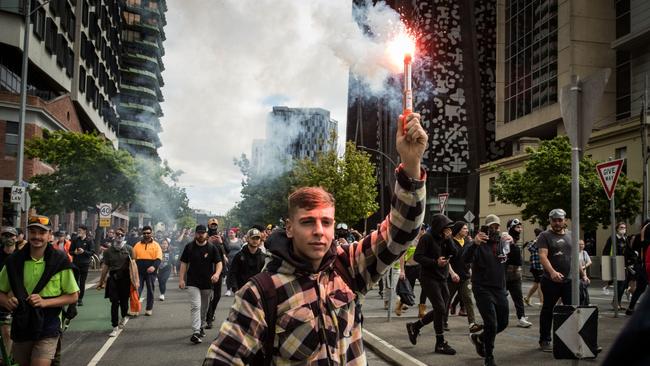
point(227, 60)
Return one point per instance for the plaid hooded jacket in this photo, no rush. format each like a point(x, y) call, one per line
point(315, 323)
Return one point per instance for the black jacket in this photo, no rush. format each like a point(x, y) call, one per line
point(246, 265)
point(457, 262)
point(487, 269)
point(431, 246)
point(82, 260)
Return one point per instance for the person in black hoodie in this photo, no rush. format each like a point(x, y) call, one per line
point(487, 257)
point(82, 250)
point(249, 261)
point(433, 252)
point(513, 273)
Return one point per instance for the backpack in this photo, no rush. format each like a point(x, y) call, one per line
point(268, 294)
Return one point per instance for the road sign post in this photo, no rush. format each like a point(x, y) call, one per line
point(608, 172)
point(442, 201)
point(105, 213)
point(17, 194)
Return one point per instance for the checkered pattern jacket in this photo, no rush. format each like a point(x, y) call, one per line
point(534, 256)
point(315, 322)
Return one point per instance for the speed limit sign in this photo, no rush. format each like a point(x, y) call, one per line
point(105, 210)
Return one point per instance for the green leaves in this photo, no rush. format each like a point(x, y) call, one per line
point(545, 184)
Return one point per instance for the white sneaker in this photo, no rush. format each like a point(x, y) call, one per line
point(524, 323)
point(605, 290)
point(148, 312)
point(114, 332)
point(123, 321)
point(228, 293)
point(162, 298)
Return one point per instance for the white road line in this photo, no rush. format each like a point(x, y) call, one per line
point(102, 351)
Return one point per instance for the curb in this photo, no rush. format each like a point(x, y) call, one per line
point(388, 352)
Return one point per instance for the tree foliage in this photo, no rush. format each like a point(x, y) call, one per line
point(545, 184)
point(350, 179)
point(88, 170)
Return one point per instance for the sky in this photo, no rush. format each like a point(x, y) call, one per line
point(228, 62)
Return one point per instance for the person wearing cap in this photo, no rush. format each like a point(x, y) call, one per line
point(47, 285)
point(555, 255)
point(249, 261)
point(215, 239)
point(487, 256)
point(433, 252)
point(233, 245)
point(82, 250)
point(513, 273)
point(201, 267)
point(148, 256)
point(461, 240)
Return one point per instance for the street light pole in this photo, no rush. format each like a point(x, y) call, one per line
point(23, 107)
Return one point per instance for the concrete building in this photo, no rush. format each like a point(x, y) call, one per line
point(540, 45)
point(138, 105)
point(454, 83)
point(292, 134)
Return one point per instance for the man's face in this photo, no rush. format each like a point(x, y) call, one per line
point(446, 232)
point(146, 236)
point(81, 232)
point(463, 232)
point(494, 228)
point(60, 238)
point(557, 224)
point(581, 243)
point(38, 237)
point(111, 234)
point(200, 236)
point(312, 232)
point(519, 228)
point(254, 241)
point(231, 234)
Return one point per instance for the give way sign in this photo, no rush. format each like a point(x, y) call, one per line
point(608, 173)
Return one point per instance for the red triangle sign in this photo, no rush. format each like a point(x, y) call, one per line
point(442, 201)
point(608, 173)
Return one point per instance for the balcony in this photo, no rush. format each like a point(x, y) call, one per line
point(139, 90)
point(153, 126)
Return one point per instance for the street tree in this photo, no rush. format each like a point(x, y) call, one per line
point(545, 184)
point(86, 170)
point(349, 178)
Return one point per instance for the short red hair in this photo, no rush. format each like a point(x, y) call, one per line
point(309, 198)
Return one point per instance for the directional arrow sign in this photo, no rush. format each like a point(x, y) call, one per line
point(572, 332)
point(608, 173)
point(442, 201)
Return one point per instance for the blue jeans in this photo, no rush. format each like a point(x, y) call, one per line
point(149, 279)
point(163, 276)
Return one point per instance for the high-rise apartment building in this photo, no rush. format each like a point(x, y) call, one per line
point(138, 104)
point(292, 134)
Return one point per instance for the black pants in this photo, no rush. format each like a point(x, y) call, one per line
point(438, 294)
point(514, 288)
point(83, 275)
point(118, 293)
point(148, 279)
point(412, 273)
point(492, 304)
point(553, 291)
point(163, 276)
point(641, 285)
point(584, 294)
point(214, 301)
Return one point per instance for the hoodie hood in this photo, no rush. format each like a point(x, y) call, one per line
point(283, 260)
point(439, 222)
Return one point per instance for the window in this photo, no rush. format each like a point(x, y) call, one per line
point(61, 47)
point(50, 35)
point(69, 62)
point(531, 56)
point(131, 18)
point(621, 153)
point(82, 79)
point(38, 19)
point(71, 20)
point(622, 18)
point(493, 198)
point(84, 13)
point(11, 139)
point(133, 2)
point(82, 47)
point(623, 85)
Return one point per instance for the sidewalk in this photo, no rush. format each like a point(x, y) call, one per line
point(514, 346)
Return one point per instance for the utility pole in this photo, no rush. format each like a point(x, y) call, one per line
point(644, 147)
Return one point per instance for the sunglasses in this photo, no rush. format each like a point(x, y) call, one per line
point(39, 220)
point(146, 233)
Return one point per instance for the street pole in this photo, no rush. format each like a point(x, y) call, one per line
point(644, 147)
point(23, 107)
point(612, 207)
point(575, 95)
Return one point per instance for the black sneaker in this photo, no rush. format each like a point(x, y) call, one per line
point(489, 361)
point(196, 338)
point(413, 332)
point(629, 311)
point(208, 325)
point(445, 349)
point(545, 346)
point(476, 341)
point(80, 303)
point(202, 333)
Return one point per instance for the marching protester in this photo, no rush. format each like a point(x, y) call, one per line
point(249, 261)
point(309, 275)
point(410, 270)
point(61, 243)
point(618, 250)
point(166, 267)
point(116, 278)
point(82, 250)
point(536, 270)
point(487, 257)
point(555, 255)
point(513, 272)
point(37, 302)
point(639, 243)
point(201, 267)
point(585, 263)
point(148, 256)
point(214, 238)
point(434, 251)
point(8, 245)
point(461, 240)
point(233, 245)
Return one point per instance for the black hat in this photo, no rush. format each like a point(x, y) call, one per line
point(200, 229)
point(458, 226)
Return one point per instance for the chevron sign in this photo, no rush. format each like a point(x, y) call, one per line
point(575, 333)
